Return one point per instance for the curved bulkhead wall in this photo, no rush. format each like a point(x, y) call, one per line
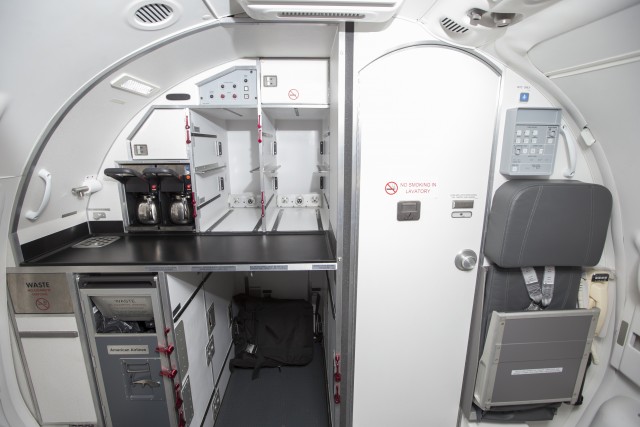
point(40, 85)
point(590, 59)
point(607, 62)
point(89, 128)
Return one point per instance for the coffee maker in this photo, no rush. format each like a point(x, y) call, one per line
point(175, 196)
point(140, 198)
point(156, 197)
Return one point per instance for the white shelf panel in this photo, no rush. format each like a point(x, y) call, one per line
point(296, 219)
point(240, 219)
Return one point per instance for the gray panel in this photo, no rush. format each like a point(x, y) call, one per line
point(181, 350)
point(542, 351)
point(541, 329)
point(622, 335)
point(534, 357)
point(553, 380)
point(538, 223)
point(130, 382)
point(33, 293)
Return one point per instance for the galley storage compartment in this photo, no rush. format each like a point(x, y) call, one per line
point(207, 332)
point(125, 329)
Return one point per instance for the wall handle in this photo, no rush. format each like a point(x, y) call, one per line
point(571, 150)
point(46, 176)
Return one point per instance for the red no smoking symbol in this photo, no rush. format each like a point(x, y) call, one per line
point(42, 304)
point(294, 94)
point(391, 188)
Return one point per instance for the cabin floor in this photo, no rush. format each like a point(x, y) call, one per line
point(290, 396)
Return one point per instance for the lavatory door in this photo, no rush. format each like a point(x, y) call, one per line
point(426, 119)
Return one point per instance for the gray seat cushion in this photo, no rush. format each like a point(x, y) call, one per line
point(538, 223)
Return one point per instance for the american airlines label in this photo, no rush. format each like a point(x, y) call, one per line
point(127, 349)
point(536, 371)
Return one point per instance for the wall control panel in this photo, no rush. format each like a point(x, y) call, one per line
point(530, 141)
point(239, 87)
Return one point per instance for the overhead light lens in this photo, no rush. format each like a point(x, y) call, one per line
point(134, 85)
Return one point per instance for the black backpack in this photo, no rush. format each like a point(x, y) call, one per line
point(270, 332)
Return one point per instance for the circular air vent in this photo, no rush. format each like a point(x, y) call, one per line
point(153, 16)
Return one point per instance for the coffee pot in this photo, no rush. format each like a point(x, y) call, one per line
point(147, 211)
point(180, 210)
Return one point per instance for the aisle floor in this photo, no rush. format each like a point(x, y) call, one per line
point(292, 396)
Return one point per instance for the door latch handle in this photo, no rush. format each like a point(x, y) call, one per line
point(169, 373)
point(147, 383)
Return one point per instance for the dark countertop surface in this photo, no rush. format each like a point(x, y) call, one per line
point(194, 249)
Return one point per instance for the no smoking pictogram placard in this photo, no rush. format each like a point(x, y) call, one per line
point(293, 94)
point(391, 188)
point(42, 304)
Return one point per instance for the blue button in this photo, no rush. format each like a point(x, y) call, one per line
point(524, 96)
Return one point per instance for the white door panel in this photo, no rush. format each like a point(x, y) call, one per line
point(426, 130)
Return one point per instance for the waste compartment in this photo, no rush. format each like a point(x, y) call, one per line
point(124, 327)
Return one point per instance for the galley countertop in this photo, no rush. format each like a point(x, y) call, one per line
point(171, 249)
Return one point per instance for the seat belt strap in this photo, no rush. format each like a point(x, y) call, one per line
point(548, 283)
point(540, 295)
point(531, 281)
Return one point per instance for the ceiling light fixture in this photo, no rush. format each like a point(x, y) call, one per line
point(134, 85)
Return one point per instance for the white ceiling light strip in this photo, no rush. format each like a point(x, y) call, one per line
point(134, 85)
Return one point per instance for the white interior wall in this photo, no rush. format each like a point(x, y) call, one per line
point(298, 148)
point(607, 63)
point(243, 157)
point(590, 44)
point(336, 128)
point(611, 107)
point(50, 63)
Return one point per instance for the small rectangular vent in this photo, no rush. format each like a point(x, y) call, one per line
point(454, 27)
point(321, 15)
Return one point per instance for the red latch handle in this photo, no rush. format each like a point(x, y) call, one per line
point(181, 421)
point(337, 376)
point(336, 397)
point(179, 400)
point(169, 373)
point(165, 350)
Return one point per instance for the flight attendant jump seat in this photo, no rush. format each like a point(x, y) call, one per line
point(535, 342)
